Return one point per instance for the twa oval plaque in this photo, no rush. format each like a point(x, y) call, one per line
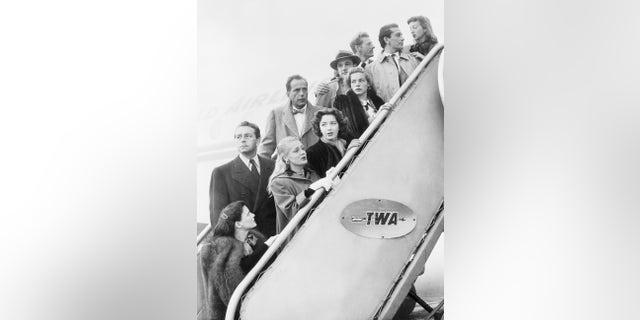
point(378, 218)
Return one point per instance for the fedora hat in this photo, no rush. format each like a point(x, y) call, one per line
point(342, 55)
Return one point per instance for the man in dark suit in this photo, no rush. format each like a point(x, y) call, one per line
point(245, 178)
point(293, 119)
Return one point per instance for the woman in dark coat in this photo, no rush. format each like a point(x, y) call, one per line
point(360, 104)
point(331, 127)
point(227, 257)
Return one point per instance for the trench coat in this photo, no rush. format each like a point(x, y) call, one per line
point(352, 108)
point(384, 73)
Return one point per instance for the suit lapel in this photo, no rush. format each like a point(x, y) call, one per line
point(289, 121)
point(241, 173)
point(309, 114)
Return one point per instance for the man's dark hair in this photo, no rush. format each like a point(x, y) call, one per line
point(294, 77)
point(254, 126)
point(357, 40)
point(385, 31)
point(426, 25)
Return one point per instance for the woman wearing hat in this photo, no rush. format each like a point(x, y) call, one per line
point(343, 62)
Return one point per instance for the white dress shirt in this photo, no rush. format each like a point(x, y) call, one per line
point(371, 112)
point(300, 118)
point(245, 160)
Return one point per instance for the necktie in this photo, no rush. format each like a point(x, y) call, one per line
point(295, 110)
point(254, 169)
point(402, 76)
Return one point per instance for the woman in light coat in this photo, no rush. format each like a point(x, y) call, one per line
point(292, 182)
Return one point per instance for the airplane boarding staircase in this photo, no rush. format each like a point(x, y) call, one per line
point(358, 249)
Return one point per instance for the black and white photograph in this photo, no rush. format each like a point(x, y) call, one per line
point(313, 143)
point(320, 160)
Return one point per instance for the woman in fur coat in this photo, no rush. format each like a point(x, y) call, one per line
point(330, 126)
point(360, 104)
point(234, 248)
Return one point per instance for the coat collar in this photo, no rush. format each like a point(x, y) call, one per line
point(290, 122)
point(309, 176)
point(382, 56)
point(241, 173)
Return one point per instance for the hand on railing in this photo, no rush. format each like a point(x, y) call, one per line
point(353, 144)
point(325, 183)
point(336, 179)
point(271, 239)
point(417, 55)
point(387, 106)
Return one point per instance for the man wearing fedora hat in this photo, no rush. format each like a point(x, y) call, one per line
point(343, 62)
point(390, 70)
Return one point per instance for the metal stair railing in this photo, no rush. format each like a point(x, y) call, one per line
point(301, 215)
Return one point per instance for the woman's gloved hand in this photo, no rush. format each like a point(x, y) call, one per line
point(325, 183)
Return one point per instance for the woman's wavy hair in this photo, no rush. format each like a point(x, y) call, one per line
point(226, 225)
point(359, 70)
point(284, 147)
point(342, 121)
point(426, 25)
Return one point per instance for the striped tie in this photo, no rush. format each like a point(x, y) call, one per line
point(254, 169)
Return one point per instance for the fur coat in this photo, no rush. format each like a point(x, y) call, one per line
point(353, 110)
point(223, 265)
point(322, 156)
